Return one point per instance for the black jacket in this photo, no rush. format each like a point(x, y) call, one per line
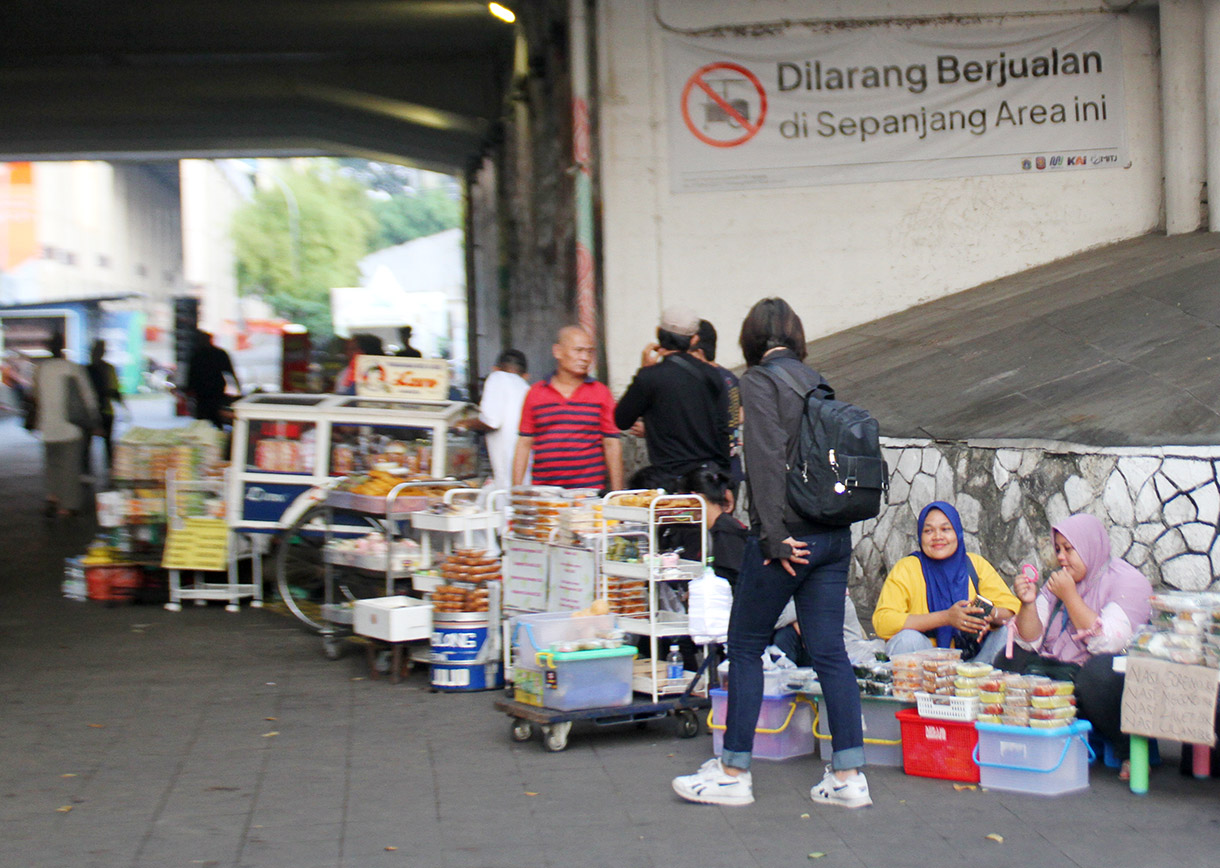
point(772, 418)
point(685, 409)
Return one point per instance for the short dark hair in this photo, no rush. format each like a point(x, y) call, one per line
point(771, 323)
point(370, 345)
point(651, 477)
point(711, 482)
point(707, 340)
point(512, 360)
point(670, 341)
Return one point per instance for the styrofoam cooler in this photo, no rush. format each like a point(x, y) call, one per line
point(1047, 762)
point(882, 732)
point(784, 729)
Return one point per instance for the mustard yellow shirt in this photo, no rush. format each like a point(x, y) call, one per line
point(905, 593)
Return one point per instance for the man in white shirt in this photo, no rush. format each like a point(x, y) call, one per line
point(500, 413)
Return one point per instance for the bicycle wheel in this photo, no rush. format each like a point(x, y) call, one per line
point(300, 572)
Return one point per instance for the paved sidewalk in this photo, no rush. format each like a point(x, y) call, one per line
point(133, 736)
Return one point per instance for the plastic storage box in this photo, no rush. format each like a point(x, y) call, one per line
point(571, 680)
point(934, 748)
point(882, 734)
point(1047, 762)
point(784, 729)
point(543, 676)
point(393, 619)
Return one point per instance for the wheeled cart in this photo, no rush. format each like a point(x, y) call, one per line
point(556, 725)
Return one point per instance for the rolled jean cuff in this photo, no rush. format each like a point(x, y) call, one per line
point(852, 758)
point(740, 759)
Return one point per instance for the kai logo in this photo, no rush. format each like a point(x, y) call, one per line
point(1077, 161)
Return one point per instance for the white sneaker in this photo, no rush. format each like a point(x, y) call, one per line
point(851, 793)
point(712, 785)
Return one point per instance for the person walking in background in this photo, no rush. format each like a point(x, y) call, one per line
point(55, 381)
point(407, 351)
point(207, 370)
point(105, 382)
point(504, 393)
point(567, 423)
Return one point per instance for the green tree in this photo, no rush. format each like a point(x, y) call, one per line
point(300, 236)
point(406, 217)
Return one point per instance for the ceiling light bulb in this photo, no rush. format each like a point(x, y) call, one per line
point(501, 12)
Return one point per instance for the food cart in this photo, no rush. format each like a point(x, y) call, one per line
point(289, 452)
point(284, 445)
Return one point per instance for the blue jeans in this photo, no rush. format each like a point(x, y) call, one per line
point(906, 641)
point(819, 589)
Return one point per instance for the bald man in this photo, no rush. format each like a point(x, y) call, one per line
point(567, 423)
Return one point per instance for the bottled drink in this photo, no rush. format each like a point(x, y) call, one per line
point(673, 664)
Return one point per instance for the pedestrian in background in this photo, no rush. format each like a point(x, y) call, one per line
point(207, 376)
point(504, 393)
point(55, 380)
point(105, 381)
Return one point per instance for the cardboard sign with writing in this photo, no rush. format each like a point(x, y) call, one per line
point(200, 544)
point(1170, 700)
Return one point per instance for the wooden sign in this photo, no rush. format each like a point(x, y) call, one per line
point(1170, 700)
point(401, 377)
point(200, 544)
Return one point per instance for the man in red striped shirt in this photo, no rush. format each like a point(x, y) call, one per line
point(567, 422)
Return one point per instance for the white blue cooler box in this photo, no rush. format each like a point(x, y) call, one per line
point(1046, 762)
point(568, 680)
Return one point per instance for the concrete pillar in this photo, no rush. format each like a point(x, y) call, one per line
point(1211, 75)
point(1182, 113)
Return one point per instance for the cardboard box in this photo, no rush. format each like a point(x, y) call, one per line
point(393, 619)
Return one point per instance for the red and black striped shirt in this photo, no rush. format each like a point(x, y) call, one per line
point(568, 433)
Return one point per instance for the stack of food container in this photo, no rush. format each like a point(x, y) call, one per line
point(1184, 628)
point(466, 572)
point(534, 512)
point(932, 671)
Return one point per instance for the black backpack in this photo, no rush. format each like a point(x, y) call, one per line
point(835, 472)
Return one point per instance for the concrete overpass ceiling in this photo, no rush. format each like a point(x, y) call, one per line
point(416, 81)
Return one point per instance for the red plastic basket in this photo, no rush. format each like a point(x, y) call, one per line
point(938, 748)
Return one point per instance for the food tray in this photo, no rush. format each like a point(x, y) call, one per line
point(963, 708)
point(376, 504)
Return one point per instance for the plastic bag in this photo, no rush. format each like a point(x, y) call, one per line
point(709, 605)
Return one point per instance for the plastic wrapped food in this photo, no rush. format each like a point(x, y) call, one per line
point(994, 708)
point(1068, 712)
point(973, 670)
point(989, 718)
point(988, 696)
point(1052, 701)
point(992, 685)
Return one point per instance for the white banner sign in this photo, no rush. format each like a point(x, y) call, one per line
point(893, 103)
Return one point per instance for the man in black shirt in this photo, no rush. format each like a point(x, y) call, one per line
point(683, 402)
point(205, 379)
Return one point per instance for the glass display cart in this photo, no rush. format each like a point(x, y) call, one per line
point(286, 444)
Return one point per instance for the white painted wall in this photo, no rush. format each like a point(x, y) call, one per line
point(842, 255)
point(211, 191)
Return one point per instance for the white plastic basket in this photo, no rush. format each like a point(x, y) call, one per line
point(934, 705)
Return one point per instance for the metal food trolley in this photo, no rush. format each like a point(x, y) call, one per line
point(290, 452)
point(662, 699)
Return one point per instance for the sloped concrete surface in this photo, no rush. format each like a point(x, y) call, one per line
point(1115, 347)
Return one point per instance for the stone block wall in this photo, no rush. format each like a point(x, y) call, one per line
point(1160, 504)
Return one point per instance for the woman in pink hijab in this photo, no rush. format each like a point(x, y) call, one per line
point(1085, 614)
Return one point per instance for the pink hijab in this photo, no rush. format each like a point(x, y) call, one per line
point(1107, 580)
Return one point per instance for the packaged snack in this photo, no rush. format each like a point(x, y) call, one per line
point(1052, 701)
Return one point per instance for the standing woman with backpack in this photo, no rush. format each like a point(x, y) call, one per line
point(786, 557)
